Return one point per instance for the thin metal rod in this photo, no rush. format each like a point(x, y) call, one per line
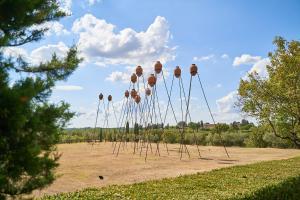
point(212, 117)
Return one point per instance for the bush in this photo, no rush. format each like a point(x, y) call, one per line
point(272, 141)
point(234, 138)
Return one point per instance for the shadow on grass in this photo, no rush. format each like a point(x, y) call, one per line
point(286, 190)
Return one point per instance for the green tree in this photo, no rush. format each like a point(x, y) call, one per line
point(275, 100)
point(235, 126)
point(244, 122)
point(220, 128)
point(181, 124)
point(201, 124)
point(29, 124)
point(256, 137)
point(193, 125)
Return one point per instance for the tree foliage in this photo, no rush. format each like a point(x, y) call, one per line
point(29, 124)
point(275, 100)
point(220, 128)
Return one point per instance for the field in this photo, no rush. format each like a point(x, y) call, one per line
point(269, 180)
point(81, 164)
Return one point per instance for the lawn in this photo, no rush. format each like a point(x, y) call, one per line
point(265, 180)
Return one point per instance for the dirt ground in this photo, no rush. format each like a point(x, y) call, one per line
point(81, 164)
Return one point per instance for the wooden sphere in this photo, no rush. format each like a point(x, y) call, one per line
point(148, 92)
point(139, 71)
point(177, 72)
point(193, 69)
point(137, 99)
point(126, 93)
point(133, 93)
point(100, 96)
point(24, 99)
point(152, 80)
point(133, 78)
point(109, 97)
point(157, 67)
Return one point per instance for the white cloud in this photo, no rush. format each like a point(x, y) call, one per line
point(225, 56)
point(68, 87)
point(260, 67)
point(100, 64)
point(219, 85)
point(15, 52)
point(44, 53)
point(204, 58)
point(92, 2)
point(40, 54)
point(99, 42)
point(226, 103)
point(118, 76)
point(227, 111)
point(54, 28)
point(65, 6)
point(245, 59)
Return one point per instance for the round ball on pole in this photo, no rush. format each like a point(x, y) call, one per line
point(133, 93)
point(152, 80)
point(177, 72)
point(109, 97)
point(139, 71)
point(157, 67)
point(133, 78)
point(137, 99)
point(126, 93)
point(193, 69)
point(100, 96)
point(148, 92)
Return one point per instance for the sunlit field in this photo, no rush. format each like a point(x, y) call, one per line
point(81, 164)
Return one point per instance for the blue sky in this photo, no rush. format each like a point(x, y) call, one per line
point(226, 39)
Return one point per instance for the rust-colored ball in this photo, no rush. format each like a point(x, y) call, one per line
point(152, 80)
point(24, 99)
point(177, 72)
point(148, 92)
point(133, 78)
point(137, 99)
point(139, 71)
point(126, 93)
point(193, 69)
point(109, 97)
point(100, 96)
point(133, 93)
point(158, 67)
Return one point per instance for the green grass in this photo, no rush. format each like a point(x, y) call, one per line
point(265, 180)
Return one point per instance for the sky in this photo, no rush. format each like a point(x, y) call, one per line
point(225, 39)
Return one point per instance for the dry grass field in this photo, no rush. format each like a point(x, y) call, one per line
point(81, 164)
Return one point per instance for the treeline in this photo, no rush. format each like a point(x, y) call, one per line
point(242, 134)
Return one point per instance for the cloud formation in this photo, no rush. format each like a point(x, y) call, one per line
point(54, 28)
point(118, 76)
point(227, 111)
point(225, 56)
point(245, 59)
point(204, 58)
point(260, 67)
point(226, 103)
point(99, 42)
point(65, 6)
point(38, 55)
point(92, 2)
point(68, 87)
